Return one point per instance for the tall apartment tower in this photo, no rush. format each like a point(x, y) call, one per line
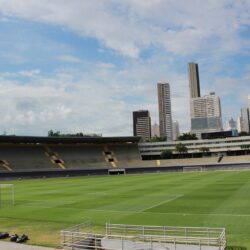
point(194, 80)
point(206, 114)
point(142, 124)
point(245, 120)
point(155, 130)
point(165, 114)
point(176, 130)
point(231, 124)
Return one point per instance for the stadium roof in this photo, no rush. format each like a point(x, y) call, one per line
point(68, 140)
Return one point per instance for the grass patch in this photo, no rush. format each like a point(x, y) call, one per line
point(215, 199)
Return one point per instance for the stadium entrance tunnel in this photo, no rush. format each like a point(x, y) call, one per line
point(138, 237)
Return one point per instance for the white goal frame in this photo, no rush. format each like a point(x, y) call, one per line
point(7, 190)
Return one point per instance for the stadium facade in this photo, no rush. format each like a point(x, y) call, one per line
point(215, 146)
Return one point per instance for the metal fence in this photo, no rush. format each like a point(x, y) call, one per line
point(133, 237)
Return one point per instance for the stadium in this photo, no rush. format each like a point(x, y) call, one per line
point(98, 193)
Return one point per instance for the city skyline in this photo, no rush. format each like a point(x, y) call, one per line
point(72, 65)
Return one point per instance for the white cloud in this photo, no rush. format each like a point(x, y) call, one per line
point(100, 97)
point(129, 26)
point(101, 100)
point(69, 59)
point(29, 73)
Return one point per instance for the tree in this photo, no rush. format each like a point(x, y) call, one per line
point(187, 136)
point(52, 133)
point(181, 149)
point(157, 139)
point(204, 150)
point(166, 154)
point(243, 133)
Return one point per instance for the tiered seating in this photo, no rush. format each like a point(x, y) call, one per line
point(81, 156)
point(25, 158)
point(4, 169)
point(127, 155)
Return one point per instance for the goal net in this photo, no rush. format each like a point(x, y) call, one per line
point(7, 195)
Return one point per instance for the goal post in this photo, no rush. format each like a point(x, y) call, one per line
point(7, 195)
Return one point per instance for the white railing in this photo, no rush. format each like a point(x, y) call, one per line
point(74, 238)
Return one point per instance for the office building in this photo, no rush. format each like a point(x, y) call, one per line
point(176, 130)
point(239, 124)
point(165, 114)
point(155, 130)
point(245, 126)
point(142, 124)
point(231, 124)
point(194, 80)
point(205, 114)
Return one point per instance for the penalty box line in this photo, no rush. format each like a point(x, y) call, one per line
point(161, 203)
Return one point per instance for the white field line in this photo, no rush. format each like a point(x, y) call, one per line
point(183, 214)
point(49, 201)
point(160, 203)
point(139, 212)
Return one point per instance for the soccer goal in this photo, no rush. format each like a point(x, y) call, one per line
point(7, 195)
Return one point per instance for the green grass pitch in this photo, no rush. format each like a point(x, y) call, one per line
point(213, 199)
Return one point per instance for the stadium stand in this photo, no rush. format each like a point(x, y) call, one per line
point(5, 166)
point(31, 154)
point(24, 158)
point(71, 156)
point(81, 156)
point(126, 155)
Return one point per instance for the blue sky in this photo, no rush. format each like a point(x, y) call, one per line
point(86, 65)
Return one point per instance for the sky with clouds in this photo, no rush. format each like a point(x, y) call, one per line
point(85, 65)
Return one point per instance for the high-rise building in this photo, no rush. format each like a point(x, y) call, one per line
point(231, 124)
point(176, 130)
point(194, 80)
point(142, 124)
point(240, 124)
point(245, 120)
point(155, 130)
point(205, 114)
point(165, 114)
